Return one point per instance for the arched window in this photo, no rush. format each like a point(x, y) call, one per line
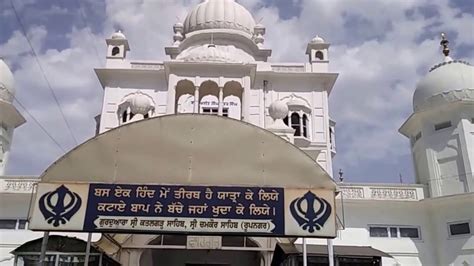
point(298, 117)
point(299, 121)
point(115, 51)
point(319, 55)
point(295, 123)
point(127, 115)
point(124, 116)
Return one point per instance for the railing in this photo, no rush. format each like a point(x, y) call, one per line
point(382, 193)
point(289, 68)
point(17, 185)
point(147, 65)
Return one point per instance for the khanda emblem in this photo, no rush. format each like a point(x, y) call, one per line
point(306, 215)
point(59, 206)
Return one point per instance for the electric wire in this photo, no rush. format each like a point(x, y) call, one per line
point(42, 71)
point(39, 124)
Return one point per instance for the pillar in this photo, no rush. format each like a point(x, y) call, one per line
point(196, 100)
point(220, 110)
point(171, 104)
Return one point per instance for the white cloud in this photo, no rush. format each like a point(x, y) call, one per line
point(376, 48)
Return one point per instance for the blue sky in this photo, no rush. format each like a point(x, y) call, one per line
point(380, 48)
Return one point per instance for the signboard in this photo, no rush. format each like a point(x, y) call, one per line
point(203, 242)
point(219, 210)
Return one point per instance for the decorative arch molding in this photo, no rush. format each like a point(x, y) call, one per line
point(233, 87)
point(124, 110)
point(185, 82)
point(137, 92)
point(295, 101)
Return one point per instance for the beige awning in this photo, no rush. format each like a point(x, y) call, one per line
point(357, 251)
point(190, 149)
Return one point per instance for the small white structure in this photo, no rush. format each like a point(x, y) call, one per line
point(10, 118)
point(218, 66)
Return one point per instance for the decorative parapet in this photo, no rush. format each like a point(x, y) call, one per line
point(147, 66)
point(17, 185)
point(352, 192)
point(381, 193)
point(289, 68)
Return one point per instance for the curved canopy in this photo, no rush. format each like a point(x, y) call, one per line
point(190, 149)
point(56, 243)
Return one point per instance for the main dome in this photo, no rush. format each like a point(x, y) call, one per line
point(7, 89)
point(219, 14)
point(448, 81)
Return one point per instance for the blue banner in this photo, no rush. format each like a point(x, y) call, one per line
point(185, 208)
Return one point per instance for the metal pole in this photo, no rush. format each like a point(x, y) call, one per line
point(88, 249)
point(330, 253)
point(305, 254)
point(44, 246)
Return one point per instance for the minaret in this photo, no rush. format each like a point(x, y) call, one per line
point(317, 51)
point(441, 128)
point(117, 48)
point(10, 118)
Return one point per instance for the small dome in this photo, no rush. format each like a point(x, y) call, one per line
point(7, 86)
point(219, 14)
point(118, 35)
point(215, 53)
point(443, 79)
point(317, 39)
point(278, 110)
point(140, 104)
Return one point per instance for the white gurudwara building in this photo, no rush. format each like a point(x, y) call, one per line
point(219, 66)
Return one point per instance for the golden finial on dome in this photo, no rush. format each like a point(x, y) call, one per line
point(444, 43)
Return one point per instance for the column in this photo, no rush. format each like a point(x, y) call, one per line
point(220, 109)
point(466, 153)
point(196, 100)
point(245, 101)
point(301, 124)
point(171, 98)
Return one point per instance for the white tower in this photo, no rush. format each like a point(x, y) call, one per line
point(317, 50)
point(117, 48)
point(441, 128)
point(10, 118)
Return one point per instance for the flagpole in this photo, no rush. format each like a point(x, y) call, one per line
point(88, 249)
point(44, 247)
point(330, 252)
point(305, 255)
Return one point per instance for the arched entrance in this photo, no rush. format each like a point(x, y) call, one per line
point(171, 251)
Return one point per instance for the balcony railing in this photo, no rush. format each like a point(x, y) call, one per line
point(147, 65)
point(17, 185)
point(362, 192)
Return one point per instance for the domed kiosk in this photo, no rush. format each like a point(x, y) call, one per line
point(439, 128)
point(7, 88)
point(219, 14)
point(447, 82)
point(219, 31)
point(10, 118)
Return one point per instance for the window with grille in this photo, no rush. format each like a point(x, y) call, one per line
point(300, 123)
point(394, 231)
point(443, 125)
point(459, 228)
point(13, 224)
point(215, 111)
